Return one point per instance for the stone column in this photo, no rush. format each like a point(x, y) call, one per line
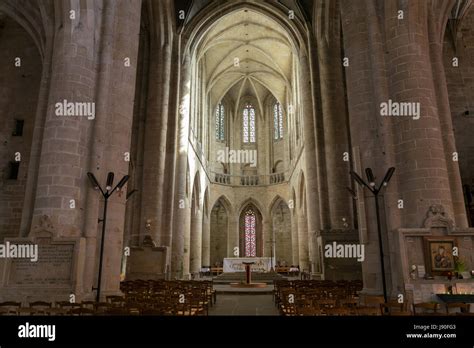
point(120, 99)
point(66, 139)
point(267, 236)
point(186, 259)
point(196, 241)
point(441, 88)
point(370, 134)
point(73, 145)
point(294, 237)
point(206, 240)
point(181, 217)
point(421, 160)
point(334, 121)
point(233, 235)
point(155, 139)
point(312, 225)
point(303, 248)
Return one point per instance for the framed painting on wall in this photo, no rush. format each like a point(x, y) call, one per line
point(439, 257)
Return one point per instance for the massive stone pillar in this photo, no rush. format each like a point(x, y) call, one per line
point(181, 217)
point(334, 117)
point(115, 103)
point(421, 160)
point(85, 64)
point(294, 237)
point(64, 151)
point(303, 248)
point(394, 54)
point(186, 260)
point(370, 133)
point(196, 241)
point(311, 170)
point(157, 119)
point(206, 239)
point(436, 29)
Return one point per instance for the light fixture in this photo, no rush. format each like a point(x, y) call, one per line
point(106, 194)
point(376, 191)
point(110, 181)
point(123, 182)
point(93, 180)
point(388, 176)
point(370, 177)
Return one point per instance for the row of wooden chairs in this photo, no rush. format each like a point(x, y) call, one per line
point(62, 308)
point(162, 297)
point(141, 297)
point(341, 298)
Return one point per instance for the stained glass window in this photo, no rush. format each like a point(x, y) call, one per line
point(250, 234)
point(249, 124)
point(220, 122)
point(278, 121)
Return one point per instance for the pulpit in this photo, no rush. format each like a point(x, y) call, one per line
point(248, 277)
point(248, 271)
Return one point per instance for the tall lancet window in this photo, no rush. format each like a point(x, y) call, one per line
point(277, 121)
point(250, 233)
point(220, 122)
point(249, 124)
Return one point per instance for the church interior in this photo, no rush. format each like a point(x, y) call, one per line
point(237, 157)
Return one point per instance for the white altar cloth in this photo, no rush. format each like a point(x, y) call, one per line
point(234, 264)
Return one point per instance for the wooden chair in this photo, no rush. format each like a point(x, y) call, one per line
point(391, 307)
point(56, 311)
point(325, 304)
point(349, 302)
point(81, 311)
point(287, 304)
point(368, 311)
point(373, 301)
point(9, 308)
point(101, 308)
point(428, 308)
point(463, 307)
point(88, 304)
point(40, 307)
point(308, 311)
point(337, 311)
point(116, 301)
point(117, 311)
point(27, 311)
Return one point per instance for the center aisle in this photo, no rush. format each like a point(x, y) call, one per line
point(244, 304)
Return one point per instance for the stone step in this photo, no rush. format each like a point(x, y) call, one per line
point(226, 278)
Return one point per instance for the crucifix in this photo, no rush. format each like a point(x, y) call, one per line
point(272, 243)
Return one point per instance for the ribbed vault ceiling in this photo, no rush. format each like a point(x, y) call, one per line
point(264, 53)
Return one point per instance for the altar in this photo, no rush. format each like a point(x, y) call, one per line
point(235, 264)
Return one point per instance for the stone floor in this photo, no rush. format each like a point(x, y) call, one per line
point(244, 304)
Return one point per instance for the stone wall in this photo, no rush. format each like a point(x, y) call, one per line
point(218, 242)
point(18, 100)
point(281, 221)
